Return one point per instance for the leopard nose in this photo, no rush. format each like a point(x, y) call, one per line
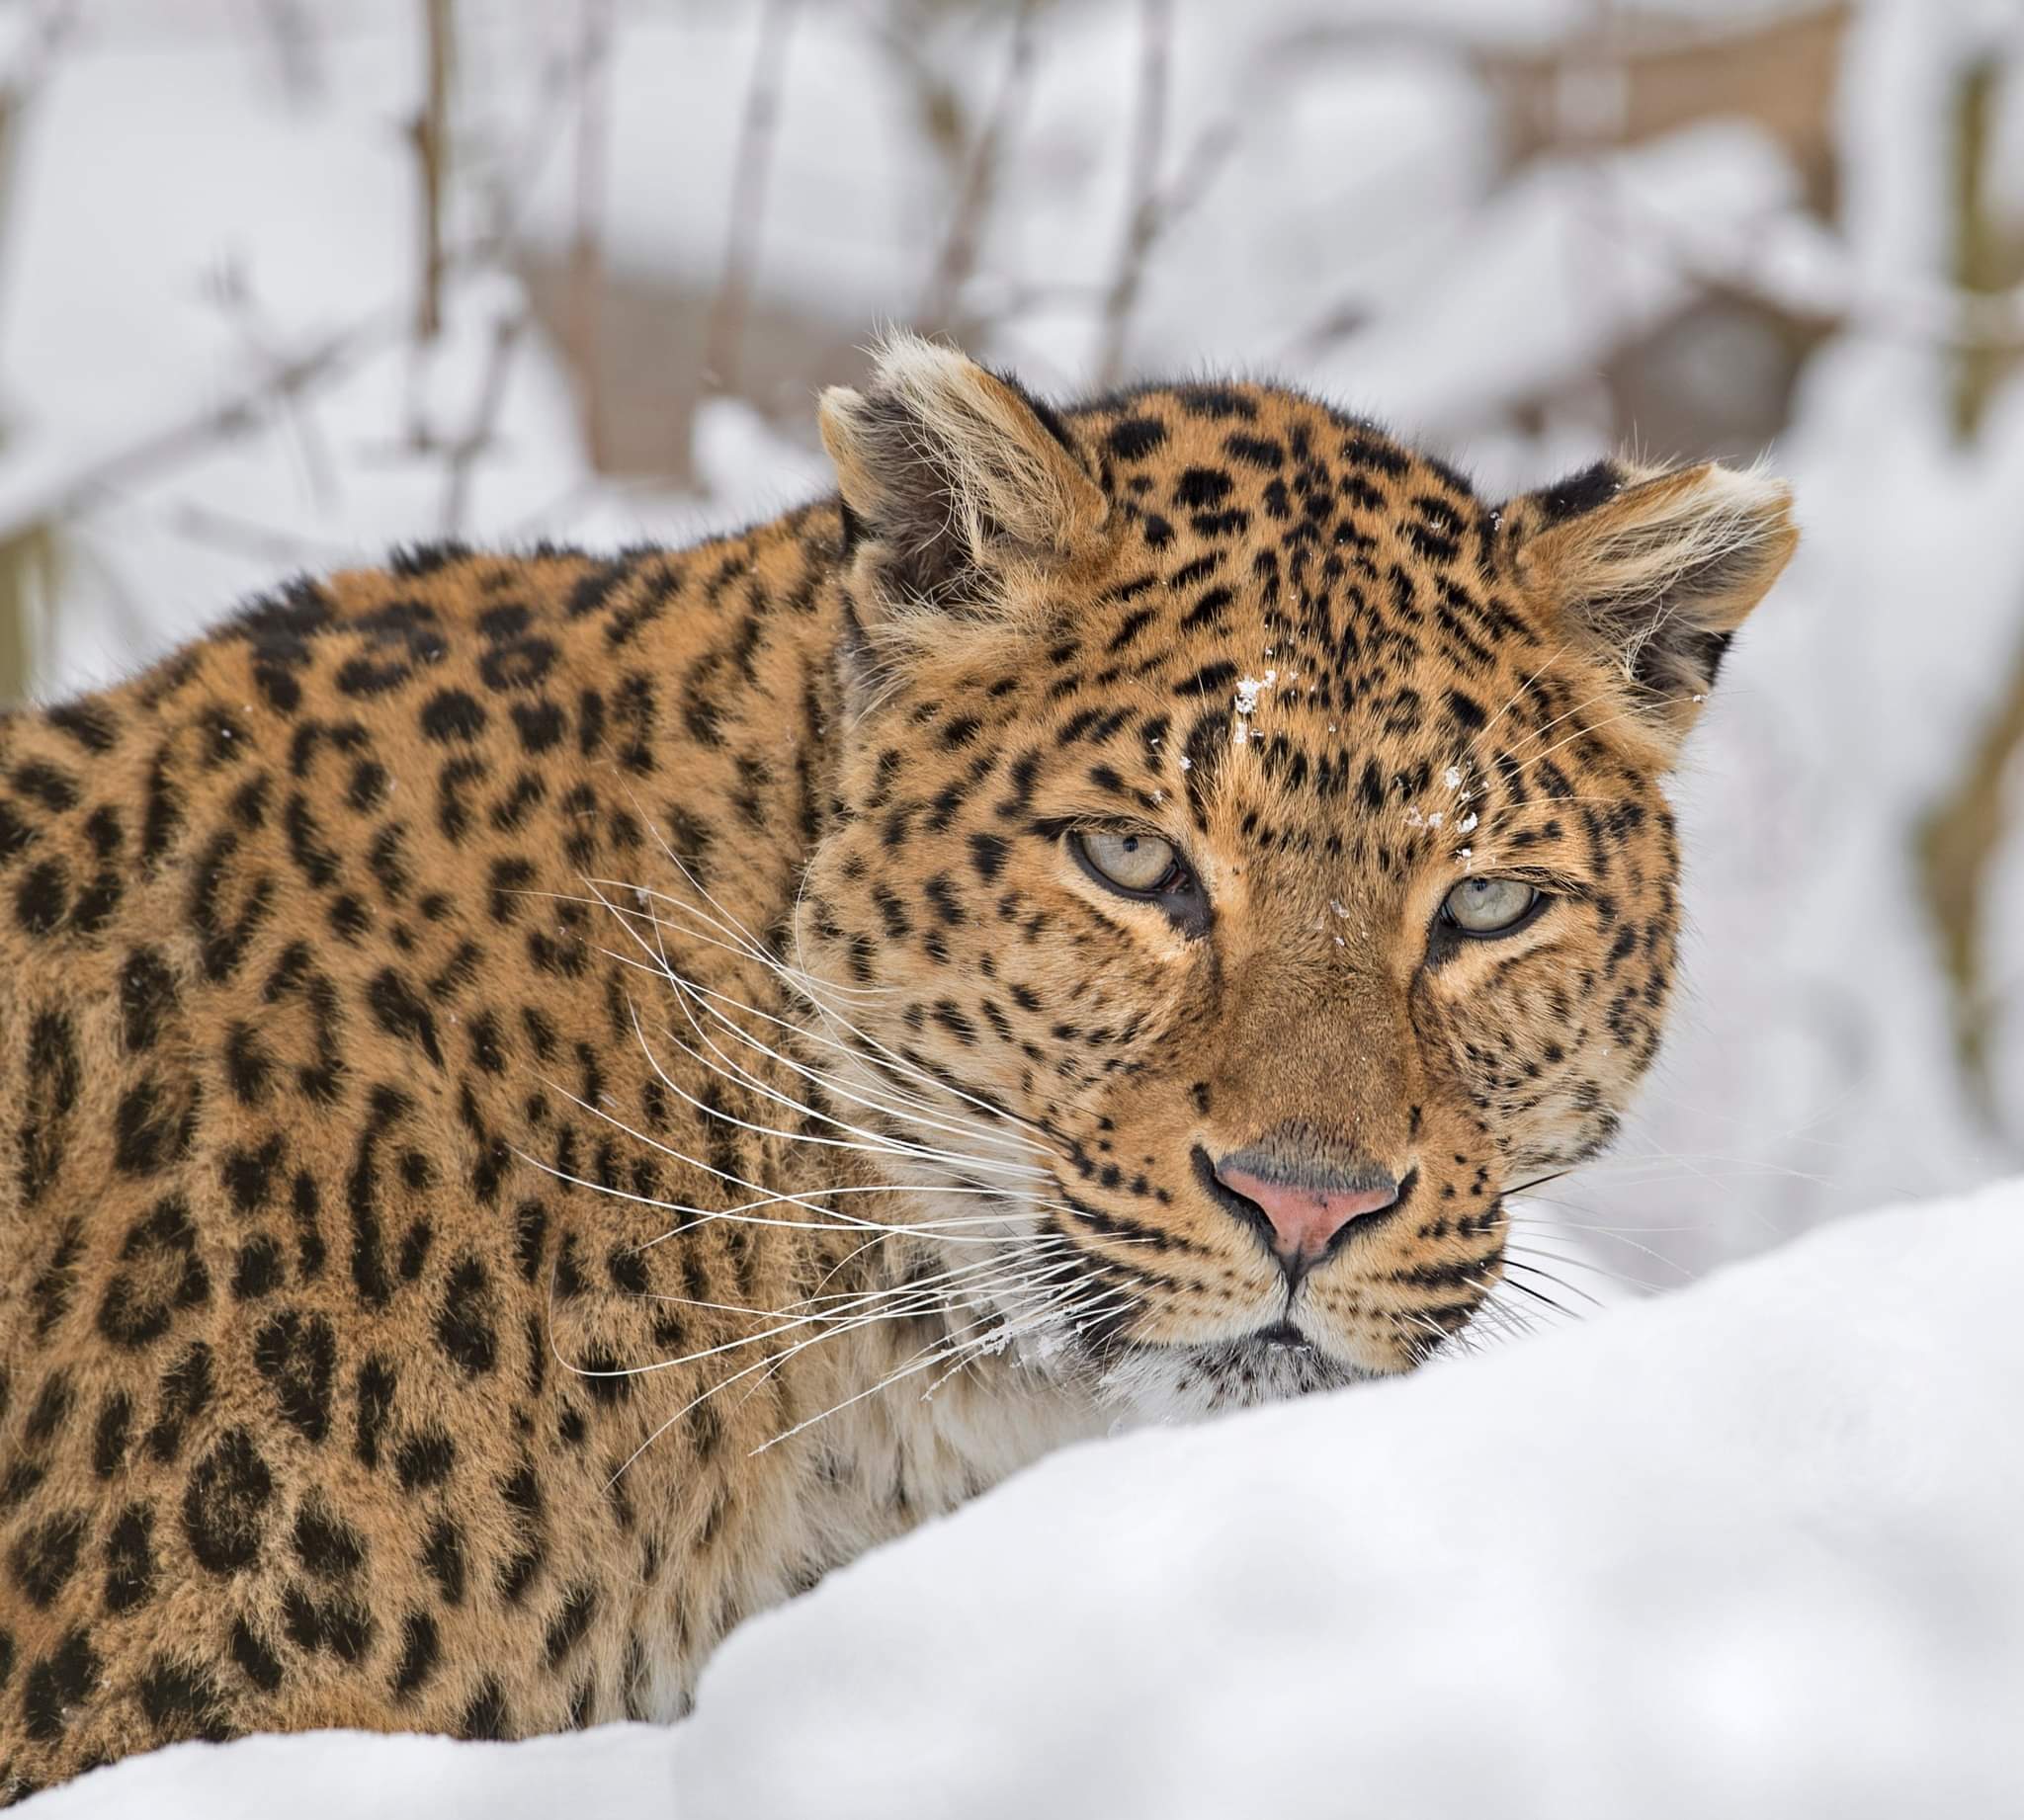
point(1306, 1218)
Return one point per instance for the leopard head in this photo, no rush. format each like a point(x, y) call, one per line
point(1251, 862)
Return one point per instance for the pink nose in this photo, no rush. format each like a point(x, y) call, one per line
point(1305, 1220)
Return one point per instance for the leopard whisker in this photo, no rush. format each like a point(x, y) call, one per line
point(686, 988)
point(940, 1230)
point(1585, 731)
point(877, 1145)
point(729, 1068)
point(724, 919)
point(1614, 1233)
point(1494, 1317)
point(1538, 1295)
point(941, 1121)
point(850, 1222)
point(808, 985)
point(702, 1397)
point(903, 1105)
point(1075, 1321)
point(885, 1384)
point(1516, 696)
point(1599, 699)
point(985, 1317)
point(919, 1304)
point(1570, 1262)
point(1521, 1322)
point(1512, 1262)
point(1558, 1225)
point(892, 1062)
point(1522, 1188)
point(1469, 1340)
point(867, 1046)
point(774, 1361)
point(844, 1299)
point(725, 941)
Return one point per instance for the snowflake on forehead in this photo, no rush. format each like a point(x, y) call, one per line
point(1249, 688)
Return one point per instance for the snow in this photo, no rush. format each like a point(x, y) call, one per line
point(1245, 701)
point(1750, 1549)
point(613, 1773)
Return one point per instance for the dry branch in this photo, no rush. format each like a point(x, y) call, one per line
point(1143, 219)
point(958, 258)
point(431, 136)
point(1959, 844)
point(243, 536)
point(460, 457)
point(584, 334)
point(753, 166)
point(26, 558)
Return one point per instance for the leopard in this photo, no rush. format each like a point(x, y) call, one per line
point(550, 1099)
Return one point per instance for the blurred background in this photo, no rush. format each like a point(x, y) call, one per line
point(283, 281)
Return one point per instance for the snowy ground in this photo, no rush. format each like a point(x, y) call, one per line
point(1750, 1549)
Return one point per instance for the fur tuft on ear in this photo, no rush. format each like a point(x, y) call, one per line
point(1655, 570)
point(950, 476)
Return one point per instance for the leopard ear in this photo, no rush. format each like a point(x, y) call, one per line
point(1653, 570)
point(952, 478)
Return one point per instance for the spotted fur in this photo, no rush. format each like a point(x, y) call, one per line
point(517, 1072)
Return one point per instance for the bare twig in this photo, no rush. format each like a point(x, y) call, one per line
point(1959, 843)
point(231, 289)
point(292, 31)
point(753, 166)
point(1328, 328)
point(461, 455)
point(27, 557)
point(227, 531)
point(586, 240)
point(52, 25)
point(1937, 316)
point(1141, 224)
point(958, 258)
point(1987, 254)
point(508, 181)
point(938, 101)
point(28, 552)
point(19, 86)
point(431, 136)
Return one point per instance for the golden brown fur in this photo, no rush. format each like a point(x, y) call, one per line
point(502, 1058)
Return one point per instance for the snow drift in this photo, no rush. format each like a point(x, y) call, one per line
point(1756, 1548)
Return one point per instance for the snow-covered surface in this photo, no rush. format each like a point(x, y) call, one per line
point(614, 1772)
point(1750, 1549)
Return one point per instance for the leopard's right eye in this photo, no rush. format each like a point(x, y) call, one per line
point(1146, 867)
point(1486, 907)
point(1136, 862)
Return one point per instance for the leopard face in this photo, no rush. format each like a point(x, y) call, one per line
point(1259, 842)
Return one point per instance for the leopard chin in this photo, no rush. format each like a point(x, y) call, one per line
point(1184, 1383)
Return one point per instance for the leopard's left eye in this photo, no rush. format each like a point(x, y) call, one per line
point(1489, 906)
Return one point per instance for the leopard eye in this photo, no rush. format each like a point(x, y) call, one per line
point(1489, 906)
point(1139, 863)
